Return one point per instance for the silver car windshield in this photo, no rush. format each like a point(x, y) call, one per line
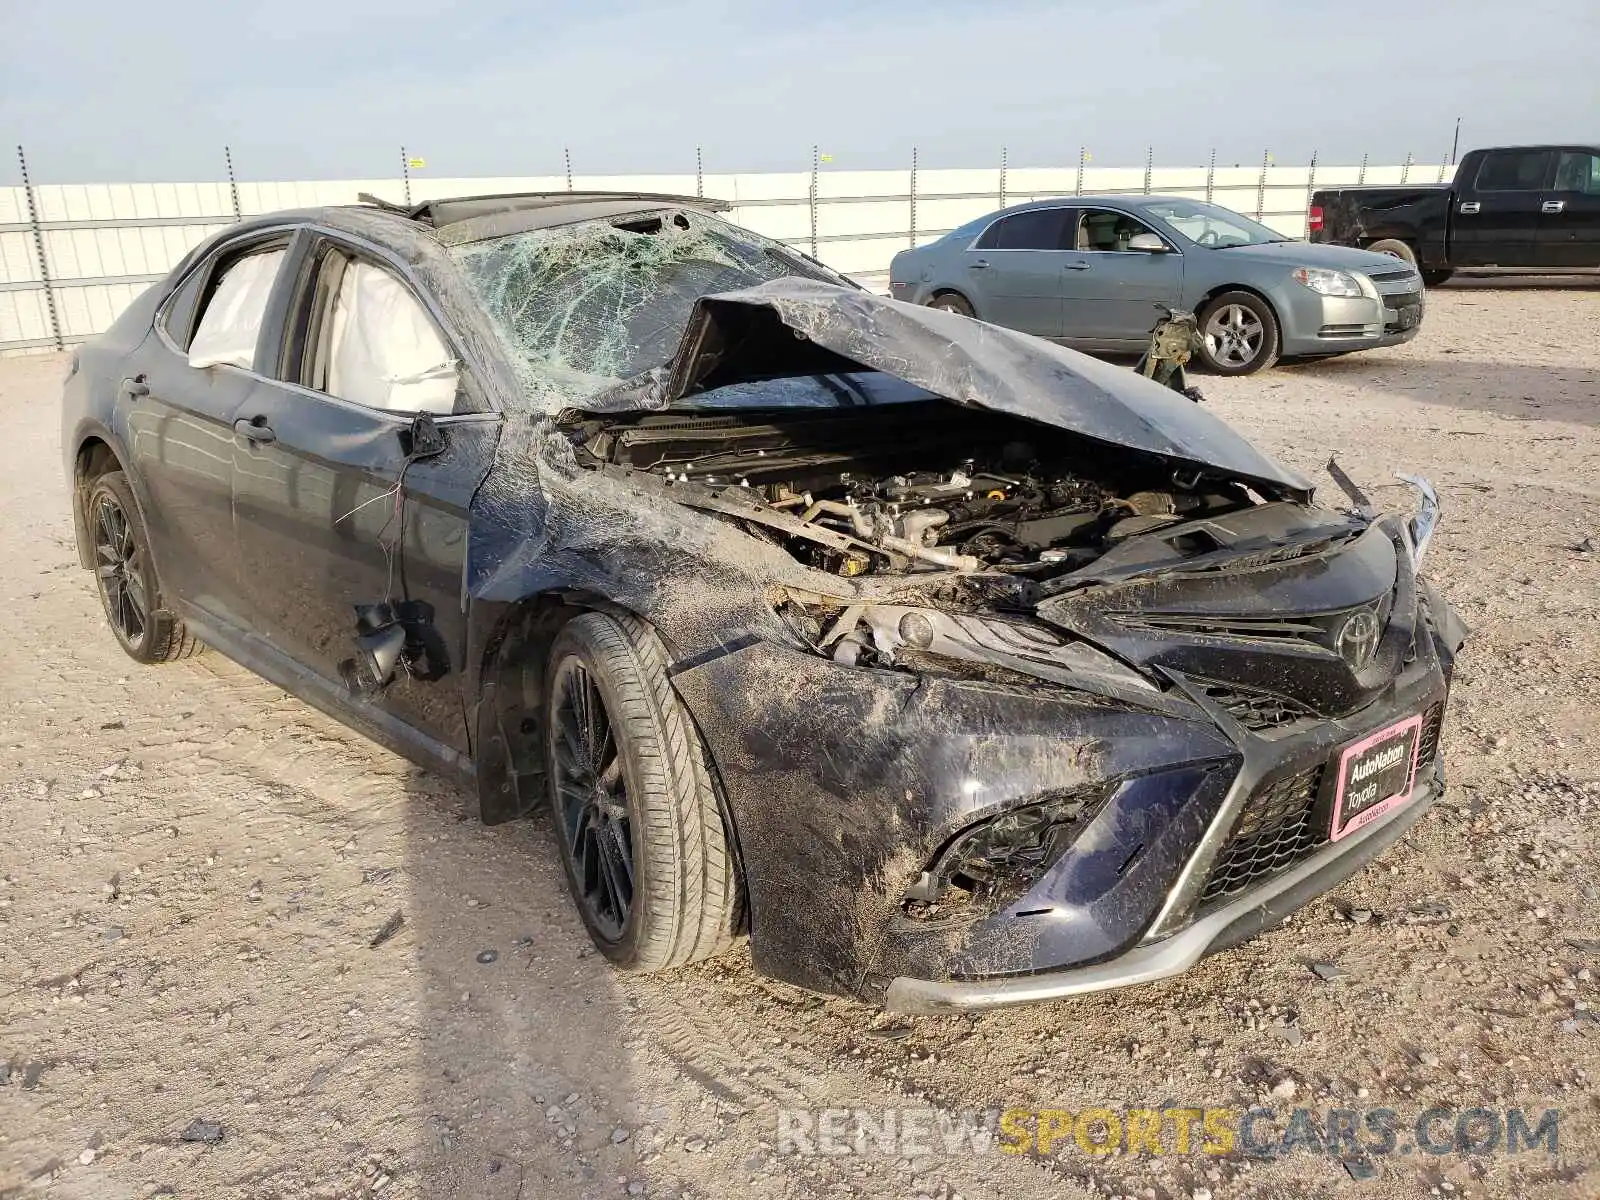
point(579, 308)
point(1210, 225)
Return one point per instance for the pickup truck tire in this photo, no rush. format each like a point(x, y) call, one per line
point(1395, 248)
point(1239, 333)
point(1435, 278)
point(951, 302)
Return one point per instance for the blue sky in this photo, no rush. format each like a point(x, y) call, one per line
point(113, 90)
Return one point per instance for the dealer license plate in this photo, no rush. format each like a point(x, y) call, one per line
point(1410, 316)
point(1376, 775)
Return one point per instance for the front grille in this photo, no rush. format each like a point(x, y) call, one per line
point(1280, 824)
point(1428, 742)
point(1274, 830)
point(1391, 276)
point(1257, 710)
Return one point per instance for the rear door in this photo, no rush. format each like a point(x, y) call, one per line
point(342, 505)
point(1497, 213)
point(1014, 270)
point(176, 408)
point(1569, 216)
point(1112, 292)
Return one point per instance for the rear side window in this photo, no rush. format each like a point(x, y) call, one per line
point(230, 323)
point(1514, 171)
point(1037, 229)
point(1578, 171)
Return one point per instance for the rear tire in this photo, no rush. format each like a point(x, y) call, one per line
point(125, 576)
point(1239, 334)
point(1435, 278)
point(1395, 248)
point(631, 795)
point(951, 302)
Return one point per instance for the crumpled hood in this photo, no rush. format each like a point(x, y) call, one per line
point(745, 334)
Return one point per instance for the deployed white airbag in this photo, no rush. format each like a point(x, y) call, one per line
point(384, 350)
point(232, 321)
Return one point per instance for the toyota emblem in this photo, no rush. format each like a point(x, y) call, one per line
point(1358, 639)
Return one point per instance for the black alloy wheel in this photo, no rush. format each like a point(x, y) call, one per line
point(591, 795)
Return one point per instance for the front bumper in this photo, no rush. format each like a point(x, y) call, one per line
point(1316, 325)
point(1220, 928)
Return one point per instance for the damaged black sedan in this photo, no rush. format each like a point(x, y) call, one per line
point(953, 668)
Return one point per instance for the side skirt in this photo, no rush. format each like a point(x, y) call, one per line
point(256, 654)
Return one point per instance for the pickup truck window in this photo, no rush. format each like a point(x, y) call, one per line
point(1514, 171)
point(1577, 171)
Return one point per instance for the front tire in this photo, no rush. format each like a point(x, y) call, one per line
point(633, 803)
point(1239, 333)
point(951, 302)
point(130, 594)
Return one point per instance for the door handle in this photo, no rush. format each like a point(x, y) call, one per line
point(1552, 206)
point(254, 429)
point(1080, 265)
point(1468, 207)
point(981, 265)
point(136, 387)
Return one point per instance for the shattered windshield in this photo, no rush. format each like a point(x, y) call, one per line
point(580, 308)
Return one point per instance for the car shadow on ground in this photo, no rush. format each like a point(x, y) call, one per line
point(521, 1066)
point(1518, 391)
point(1522, 283)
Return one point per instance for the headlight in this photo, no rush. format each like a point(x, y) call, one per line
point(1327, 283)
point(965, 645)
point(1421, 526)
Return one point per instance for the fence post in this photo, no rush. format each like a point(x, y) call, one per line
point(1149, 164)
point(816, 159)
point(1211, 177)
point(566, 153)
point(1002, 176)
point(1082, 155)
point(913, 197)
point(1362, 177)
point(1405, 171)
point(1311, 187)
point(405, 173)
point(1261, 185)
point(233, 183)
point(38, 245)
point(699, 174)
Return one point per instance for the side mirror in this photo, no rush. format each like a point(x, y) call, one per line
point(1149, 243)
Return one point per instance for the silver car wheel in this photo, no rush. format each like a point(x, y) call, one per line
point(1234, 335)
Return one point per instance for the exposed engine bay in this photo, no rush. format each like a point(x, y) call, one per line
point(905, 487)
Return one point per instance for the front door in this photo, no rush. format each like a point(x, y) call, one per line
point(352, 479)
point(1113, 292)
point(183, 389)
point(1496, 219)
point(1569, 216)
point(1014, 271)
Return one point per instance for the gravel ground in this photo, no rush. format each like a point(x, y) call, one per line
point(193, 866)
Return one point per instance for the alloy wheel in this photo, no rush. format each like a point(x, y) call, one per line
point(592, 800)
point(1234, 335)
point(119, 570)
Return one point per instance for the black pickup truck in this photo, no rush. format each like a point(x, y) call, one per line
point(1526, 210)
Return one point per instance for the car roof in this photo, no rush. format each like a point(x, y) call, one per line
point(539, 210)
point(1124, 199)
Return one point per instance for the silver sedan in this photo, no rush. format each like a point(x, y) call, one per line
point(1092, 273)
